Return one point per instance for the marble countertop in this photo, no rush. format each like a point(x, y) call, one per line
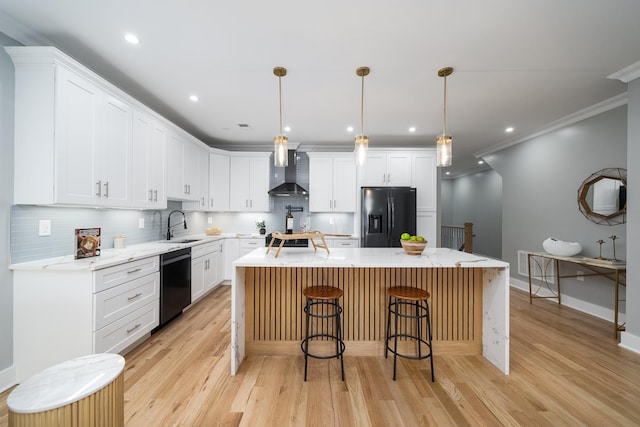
point(111, 257)
point(65, 383)
point(365, 257)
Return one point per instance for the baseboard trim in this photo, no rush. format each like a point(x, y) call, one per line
point(630, 342)
point(7, 378)
point(575, 303)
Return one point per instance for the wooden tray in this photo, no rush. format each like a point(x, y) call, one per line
point(311, 235)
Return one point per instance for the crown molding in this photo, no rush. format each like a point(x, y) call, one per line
point(627, 74)
point(594, 110)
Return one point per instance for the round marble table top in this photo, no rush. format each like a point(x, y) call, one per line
point(65, 383)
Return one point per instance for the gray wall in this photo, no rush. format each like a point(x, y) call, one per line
point(445, 204)
point(540, 180)
point(6, 198)
point(477, 198)
point(633, 232)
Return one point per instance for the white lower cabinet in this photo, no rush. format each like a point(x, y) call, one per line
point(342, 242)
point(248, 245)
point(207, 271)
point(64, 314)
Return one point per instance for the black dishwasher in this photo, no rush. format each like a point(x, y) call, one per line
point(175, 283)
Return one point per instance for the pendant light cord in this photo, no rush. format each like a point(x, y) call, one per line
point(280, 97)
point(444, 110)
point(362, 108)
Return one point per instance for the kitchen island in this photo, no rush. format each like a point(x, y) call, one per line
point(469, 299)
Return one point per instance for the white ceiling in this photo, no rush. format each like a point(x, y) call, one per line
point(516, 63)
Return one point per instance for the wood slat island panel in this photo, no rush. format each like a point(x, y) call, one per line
point(275, 318)
point(469, 302)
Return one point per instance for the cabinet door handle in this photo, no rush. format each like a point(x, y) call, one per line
point(185, 189)
point(106, 189)
point(250, 203)
point(134, 271)
point(155, 195)
point(203, 201)
point(211, 202)
point(99, 187)
point(189, 187)
point(151, 195)
point(134, 328)
point(134, 297)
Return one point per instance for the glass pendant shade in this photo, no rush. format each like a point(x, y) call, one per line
point(443, 142)
point(362, 144)
point(362, 140)
point(443, 150)
point(280, 155)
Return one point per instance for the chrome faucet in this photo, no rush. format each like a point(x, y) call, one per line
point(169, 226)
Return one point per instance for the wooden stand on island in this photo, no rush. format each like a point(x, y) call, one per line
point(311, 235)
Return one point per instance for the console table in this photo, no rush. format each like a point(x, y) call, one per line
point(616, 272)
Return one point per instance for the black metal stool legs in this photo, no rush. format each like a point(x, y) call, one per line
point(325, 309)
point(306, 341)
point(402, 308)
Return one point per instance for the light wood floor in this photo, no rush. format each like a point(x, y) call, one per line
point(566, 370)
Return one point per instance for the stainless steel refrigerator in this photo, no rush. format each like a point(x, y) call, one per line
point(387, 212)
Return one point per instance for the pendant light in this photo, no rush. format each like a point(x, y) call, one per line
point(362, 141)
point(280, 157)
point(443, 142)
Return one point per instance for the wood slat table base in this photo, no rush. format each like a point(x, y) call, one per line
point(104, 408)
point(274, 303)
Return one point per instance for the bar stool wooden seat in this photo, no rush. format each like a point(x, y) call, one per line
point(406, 302)
point(323, 303)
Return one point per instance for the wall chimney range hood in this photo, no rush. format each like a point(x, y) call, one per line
point(290, 186)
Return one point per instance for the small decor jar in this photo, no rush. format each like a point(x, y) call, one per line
point(119, 242)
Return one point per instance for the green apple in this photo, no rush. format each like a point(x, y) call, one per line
point(405, 236)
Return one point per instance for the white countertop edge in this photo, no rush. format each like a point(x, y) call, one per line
point(111, 257)
point(65, 383)
point(366, 257)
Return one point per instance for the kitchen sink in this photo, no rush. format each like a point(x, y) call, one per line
point(181, 241)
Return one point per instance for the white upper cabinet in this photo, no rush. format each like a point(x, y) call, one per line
point(332, 183)
point(73, 138)
point(183, 168)
point(249, 182)
point(201, 178)
point(73, 143)
point(218, 182)
point(149, 162)
point(424, 179)
point(115, 151)
point(391, 169)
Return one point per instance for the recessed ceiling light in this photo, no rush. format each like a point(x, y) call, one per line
point(287, 128)
point(481, 162)
point(194, 98)
point(447, 173)
point(412, 129)
point(350, 129)
point(131, 38)
point(509, 129)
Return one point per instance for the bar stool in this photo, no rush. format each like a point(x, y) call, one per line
point(322, 302)
point(402, 299)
